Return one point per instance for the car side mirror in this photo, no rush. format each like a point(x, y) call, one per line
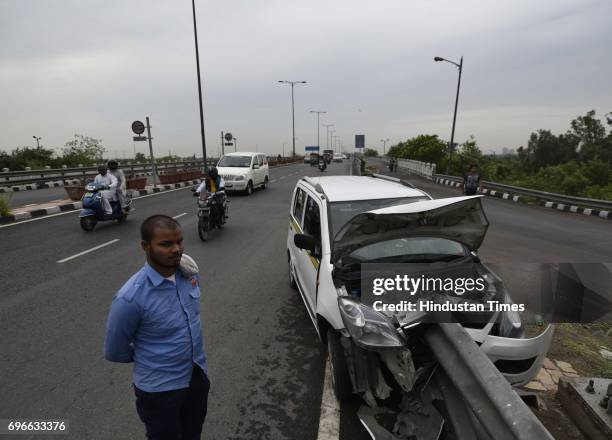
point(304, 241)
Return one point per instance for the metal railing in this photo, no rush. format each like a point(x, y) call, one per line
point(14, 178)
point(542, 195)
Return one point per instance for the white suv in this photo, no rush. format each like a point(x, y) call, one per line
point(338, 223)
point(243, 171)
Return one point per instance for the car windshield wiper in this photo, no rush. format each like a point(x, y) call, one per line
point(420, 258)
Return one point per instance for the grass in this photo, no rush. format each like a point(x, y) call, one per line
point(5, 204)
point(579, 344)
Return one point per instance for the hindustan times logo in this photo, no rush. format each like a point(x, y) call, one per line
point(412, 286)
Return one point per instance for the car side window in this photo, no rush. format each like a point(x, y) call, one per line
point(265, 160)
point(259, 161)
point(312, 223)
point(298, 205)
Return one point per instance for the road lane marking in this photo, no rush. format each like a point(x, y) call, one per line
point(89, 250)
point(282, 177)
point(272, 181)
point(329, 420)
point(179, 216)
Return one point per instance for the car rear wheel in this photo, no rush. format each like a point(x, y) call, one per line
point(341, 381)
point(265, 183)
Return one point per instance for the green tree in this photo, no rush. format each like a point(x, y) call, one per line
point(83, 150)
point(591, 135)
point(370, 152)
point(35, 158)
point(140, 157)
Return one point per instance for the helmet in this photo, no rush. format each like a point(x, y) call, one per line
point(213, 172)
point(112, 165)
point(102, 169)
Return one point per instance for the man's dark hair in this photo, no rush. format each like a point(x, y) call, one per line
point(156, 221)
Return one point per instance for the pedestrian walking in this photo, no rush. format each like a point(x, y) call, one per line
point(154, 322)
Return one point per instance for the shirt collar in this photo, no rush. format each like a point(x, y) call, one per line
point(154, 276)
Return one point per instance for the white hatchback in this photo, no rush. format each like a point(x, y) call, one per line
point(244, 171)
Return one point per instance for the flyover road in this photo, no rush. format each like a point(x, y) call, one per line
point(266, 365)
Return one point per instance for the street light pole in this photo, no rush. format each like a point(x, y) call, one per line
point(195, 34)
point(451, 146)
point(318, 126)
point(293, 108)
point(384, 141)
point(37, 142)
point(331, 139)
point(327, 134)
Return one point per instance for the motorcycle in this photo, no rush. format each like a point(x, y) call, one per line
point(213, 212)
point(93, 209)
point(322, 166)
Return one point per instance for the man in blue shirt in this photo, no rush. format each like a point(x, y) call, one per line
point(154, 322)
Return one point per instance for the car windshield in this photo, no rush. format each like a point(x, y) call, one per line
point(235, 161)
point(342, 212)
point(410, 249)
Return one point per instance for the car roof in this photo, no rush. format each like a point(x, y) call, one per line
point(345, 188)
point(242, 153)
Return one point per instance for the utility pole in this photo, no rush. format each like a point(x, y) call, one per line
point(195, 34)
point(153, 169)
point(318, 126)
point(293, 108)
point(327, 135)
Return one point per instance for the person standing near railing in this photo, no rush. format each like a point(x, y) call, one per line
point(471, 181)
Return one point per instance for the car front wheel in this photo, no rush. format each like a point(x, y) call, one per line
point(292, 282)
point(341, 382)
point(249, 188)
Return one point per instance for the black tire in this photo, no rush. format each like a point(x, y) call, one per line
point(88, 223)
point(341, 381)
point(203, 227)
point(292, 282)
point(265, 183)
point(249, 188)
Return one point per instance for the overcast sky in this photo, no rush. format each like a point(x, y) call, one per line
point(94, 66)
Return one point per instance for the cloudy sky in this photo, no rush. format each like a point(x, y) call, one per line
point(94, 66)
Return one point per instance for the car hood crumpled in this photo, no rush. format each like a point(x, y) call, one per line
point(457, 218)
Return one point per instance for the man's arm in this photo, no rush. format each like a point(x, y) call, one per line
point(114, 182)
point(123, 321)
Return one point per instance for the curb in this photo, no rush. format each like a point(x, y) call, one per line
point(51, 184)
point(78, 205)
point(516, 198)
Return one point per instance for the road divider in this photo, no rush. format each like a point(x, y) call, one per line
point(80, 254)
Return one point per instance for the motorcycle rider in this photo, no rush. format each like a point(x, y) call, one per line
point(113, 169)
point(214, 184)
point(109, 191)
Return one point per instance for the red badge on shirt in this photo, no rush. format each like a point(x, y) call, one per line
point(193, 282)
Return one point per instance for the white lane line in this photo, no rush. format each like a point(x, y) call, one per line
point(272, 181)
point(179, 216)
point(329, 420)
point(89, 250)
point(281, 177)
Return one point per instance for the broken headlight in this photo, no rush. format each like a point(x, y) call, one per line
point(368, 328)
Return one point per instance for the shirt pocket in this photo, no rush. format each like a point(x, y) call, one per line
point(194, 299)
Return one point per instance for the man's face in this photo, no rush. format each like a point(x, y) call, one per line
point(102, 171)
point(165, 248)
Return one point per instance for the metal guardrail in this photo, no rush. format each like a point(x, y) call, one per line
point(13, 178)
point(475, 389)
point(543, 195)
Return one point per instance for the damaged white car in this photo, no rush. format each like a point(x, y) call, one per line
point(340, 224)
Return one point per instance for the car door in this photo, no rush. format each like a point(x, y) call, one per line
point(306, 262)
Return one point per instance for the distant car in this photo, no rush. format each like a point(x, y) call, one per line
point(338, 157)
point(306, 159)
point(243, 171)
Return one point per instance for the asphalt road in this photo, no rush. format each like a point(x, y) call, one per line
point(266, 365)
point(36, 196)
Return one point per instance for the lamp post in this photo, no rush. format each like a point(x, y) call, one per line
point(331, 139)
point(195, 36)
point(318, 126)
point(452, 144)
point(37, 141)
point(327, 134)
point(293, 83)
point(384, 141)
